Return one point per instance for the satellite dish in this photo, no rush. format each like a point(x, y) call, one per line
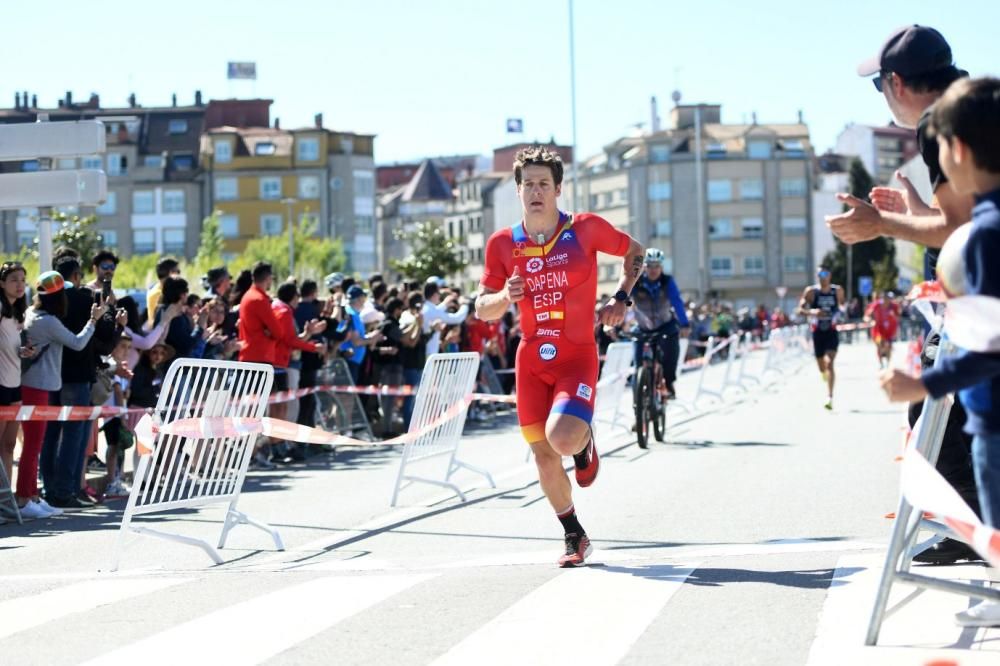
point(676, 96)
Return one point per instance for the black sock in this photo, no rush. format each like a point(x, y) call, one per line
point(580, 459)
point(569, 521)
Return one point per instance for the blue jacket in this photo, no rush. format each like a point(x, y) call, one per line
point(659, 302)
point(975, 376)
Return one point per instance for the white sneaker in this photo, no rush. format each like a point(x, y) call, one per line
point(983, 614)
point(116, 489)
point(33, 511)
point(53, 511)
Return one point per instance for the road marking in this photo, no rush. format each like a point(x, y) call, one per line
point(255, 630)
point(919, 631)
point(603, 609)
point(35, 610)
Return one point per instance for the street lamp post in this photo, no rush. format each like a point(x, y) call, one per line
point(291, 235)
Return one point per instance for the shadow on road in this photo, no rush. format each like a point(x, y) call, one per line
point(714, 577)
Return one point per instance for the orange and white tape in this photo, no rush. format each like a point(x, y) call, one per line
point(68, 413)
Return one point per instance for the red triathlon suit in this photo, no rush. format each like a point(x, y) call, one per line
point(886, 318)
point(556, 365)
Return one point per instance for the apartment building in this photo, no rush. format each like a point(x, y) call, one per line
point(882, 150)
point(470, 221)
point(259, 178)
point(154, 179)
point(426, 197)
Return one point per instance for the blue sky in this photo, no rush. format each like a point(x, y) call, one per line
point(440, 77)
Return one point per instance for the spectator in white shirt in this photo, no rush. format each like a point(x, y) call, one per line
point(436, 314)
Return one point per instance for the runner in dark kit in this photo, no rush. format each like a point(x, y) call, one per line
point(822, 303)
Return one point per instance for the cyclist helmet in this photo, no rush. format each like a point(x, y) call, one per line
point(653, 256)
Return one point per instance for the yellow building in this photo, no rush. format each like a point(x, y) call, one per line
point(259, 176)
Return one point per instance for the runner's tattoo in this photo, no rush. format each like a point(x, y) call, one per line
point(636, 266)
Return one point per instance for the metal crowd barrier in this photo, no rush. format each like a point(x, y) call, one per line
point(447, 381)
point(189, 472)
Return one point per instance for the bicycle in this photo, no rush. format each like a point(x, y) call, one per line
point(648, 401)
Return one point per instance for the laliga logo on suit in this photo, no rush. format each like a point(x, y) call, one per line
point(534, 265)
point(951, 262)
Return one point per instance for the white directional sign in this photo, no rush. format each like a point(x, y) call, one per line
point(87, 187)
point(27, 141)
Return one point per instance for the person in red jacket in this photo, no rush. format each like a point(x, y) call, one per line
point(261, 334)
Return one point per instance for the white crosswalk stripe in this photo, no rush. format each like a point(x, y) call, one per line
point(291, 615)
point(23, 613)
point(604, 609)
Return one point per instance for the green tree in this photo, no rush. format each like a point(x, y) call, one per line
point(876, 257)
point(78, 233)
point(314, 257)
point(210, 248)
point(432, 253)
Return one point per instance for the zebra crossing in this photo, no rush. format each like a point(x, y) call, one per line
point(457, 613)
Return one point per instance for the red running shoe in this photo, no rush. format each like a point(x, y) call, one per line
point(587, 464)
point(578, 549)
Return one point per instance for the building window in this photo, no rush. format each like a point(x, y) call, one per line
point(364, 223)
point(720, 227)
point(110, 205)
point(759, 150)
point(154, 161)
point(223, 151)
point(793, 148)
point(142, 202)
point(225, 189)
point(143, 241)
point(229, 225)
point(663, 229)
point(66, 163)
point(753, 265)
point(307, 149)
point(271, 224)
point(753, 227)
point(116, 164)
point(182, 161)
point(595, 201)
point(29, 165)
point(173, 201)
point(264, 148)
point(92, 162)
point(752, 189)
point(309, 187)
point(720, 190)
point(660, 191)
point(177, 126)
point(659, 153)
point(270, 187)
point(109, 237)
point(794, 226)
point(347, 145)
point(173, 241)
point(793, 187)
point(715, 150)
point(795, 264)
point(364, 193)
point(721, 266)
point(25, 239)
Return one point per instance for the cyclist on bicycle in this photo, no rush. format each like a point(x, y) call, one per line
point(658, 308)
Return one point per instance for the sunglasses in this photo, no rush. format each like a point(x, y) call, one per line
point(108, 267)
point(880, 80)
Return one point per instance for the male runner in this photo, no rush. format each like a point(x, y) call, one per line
point(547, 264)
point(884, 313)
point(822, 303)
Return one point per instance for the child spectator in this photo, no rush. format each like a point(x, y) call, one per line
point(964, 122)
point(118, 436)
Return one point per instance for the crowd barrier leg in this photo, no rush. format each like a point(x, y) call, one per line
point(8, 501)
point(612, 385)
point(710, 353)
point(730, 380)
point(927, 437)
point(745, 377)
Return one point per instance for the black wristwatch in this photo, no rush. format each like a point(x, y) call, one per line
point(620, 295)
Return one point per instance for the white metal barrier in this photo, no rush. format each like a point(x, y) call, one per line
point(613, 383)
point(431, 457)
point(184, 472)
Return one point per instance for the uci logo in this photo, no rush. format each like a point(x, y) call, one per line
point(547, 351)
point(534, 265)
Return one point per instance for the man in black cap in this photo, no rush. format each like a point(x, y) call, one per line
point(219, 282)
point(912, 70)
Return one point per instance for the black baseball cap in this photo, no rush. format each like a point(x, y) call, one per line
point(909, 51)
point(216, 275)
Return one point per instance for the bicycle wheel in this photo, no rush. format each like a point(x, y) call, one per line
point(641, 402)
point(658, 407)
